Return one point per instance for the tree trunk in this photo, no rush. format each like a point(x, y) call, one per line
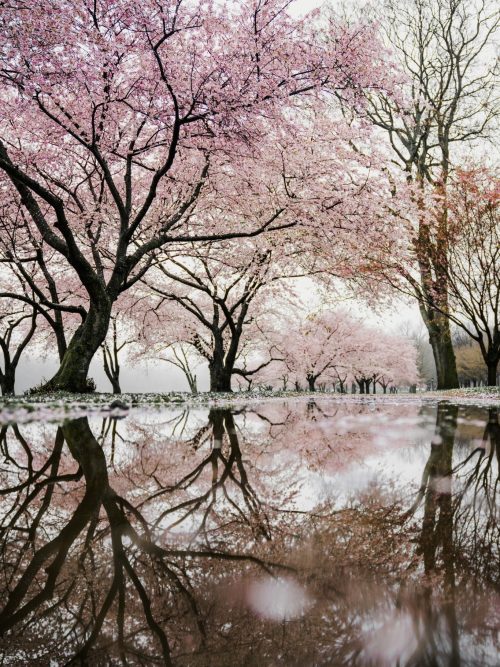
point(115, 382)
point(361, 384)
point(112, 373)
point(492, 373)
point(444, 356)
point(220, 377)
point(438, 327)
point(311, 381)
point(73, 372)
point(60, 335)
point(8, 381)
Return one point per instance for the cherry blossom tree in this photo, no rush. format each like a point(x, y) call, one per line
point(386, 359)
point(185, 358)
point(225, 288)
point(117, 116)
point(219, 292)
point(331, 346)
point(319, 343)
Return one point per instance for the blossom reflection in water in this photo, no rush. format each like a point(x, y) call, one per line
point(283, 533)
point(278, 599)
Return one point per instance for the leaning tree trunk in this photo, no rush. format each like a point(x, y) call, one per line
point(73, 371)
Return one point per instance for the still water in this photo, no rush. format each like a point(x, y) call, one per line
point(294, 533)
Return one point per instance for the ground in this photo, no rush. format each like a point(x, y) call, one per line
point(60, 406)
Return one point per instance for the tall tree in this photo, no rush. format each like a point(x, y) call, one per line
point(447, 103)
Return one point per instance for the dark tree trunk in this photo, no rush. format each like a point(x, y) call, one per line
point(492, 373)
point(8, 381)
point(115, 383)
point(311, 381)
point(361, 384)
point(58, 329)
point(112, 368)
point(367, 386)
point(444, 356)
point(73, 372)
point(220, 377)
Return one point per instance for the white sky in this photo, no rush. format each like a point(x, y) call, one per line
point(302, 6)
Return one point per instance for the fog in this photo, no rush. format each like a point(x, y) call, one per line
point(151, 377)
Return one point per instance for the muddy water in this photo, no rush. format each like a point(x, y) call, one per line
point(283, 533)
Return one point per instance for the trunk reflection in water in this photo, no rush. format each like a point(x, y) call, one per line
point(324, 533)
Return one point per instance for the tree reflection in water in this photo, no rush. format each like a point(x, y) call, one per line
point(233, 541)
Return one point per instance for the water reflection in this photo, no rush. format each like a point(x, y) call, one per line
point(281, 534)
